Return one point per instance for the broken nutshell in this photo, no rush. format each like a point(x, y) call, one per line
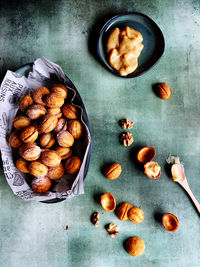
point(126, 124)
point(112, 229)
point(146, 154)
point(170, 222)
point(126, 139)
point(108, 202)
point(95, 218)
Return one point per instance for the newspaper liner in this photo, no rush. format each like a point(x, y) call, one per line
point(12, 88)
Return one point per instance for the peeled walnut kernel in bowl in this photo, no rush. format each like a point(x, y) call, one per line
point(123, 210)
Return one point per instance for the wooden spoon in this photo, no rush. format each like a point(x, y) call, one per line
point(178, 175)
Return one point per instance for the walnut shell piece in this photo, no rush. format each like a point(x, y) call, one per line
point(135, 215)
point(22, 165)
point(170, 222)
point(24, 102)
point(123, 210)
point(55, 173)
point(163, 91)
point(72, 165)
point(152, 170)
point(75, 128)
point(61, 125)
point(70, 111)
point(65, 139)
point(54, 100)
point(30, 151)
point(146, 154)
point(47, 140)
point(108, 202)
point(39, 95)
point(36, 111)
point(37, 169)
point(60, 89)
point(21, 122)
point(50, 158)
point(29, 134)
point(135, 246)
point(41, 185)
point(48, 123)
point(64, 152)
point(113, 171)
point(14, 140)
point(55, 112)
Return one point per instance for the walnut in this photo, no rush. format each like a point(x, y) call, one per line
point(126, 124)
point(113, 230)
point(126, 139)
point(95, 218)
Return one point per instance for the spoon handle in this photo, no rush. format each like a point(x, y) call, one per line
point(188, 190)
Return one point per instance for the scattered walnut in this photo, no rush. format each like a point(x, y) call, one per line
point(95, 218)
point(126, 124)
point(113, 230)
point(126, 139)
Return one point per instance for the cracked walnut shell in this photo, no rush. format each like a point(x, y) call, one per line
point(170, 222)
point(123, 210)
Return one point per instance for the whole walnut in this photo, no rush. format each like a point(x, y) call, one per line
point(25, 102)
point(29, 151)
point(48, 123)
point(135, 246)
point(21, 122)
point(41, 185)
point(55, 173)
point(39, 95)
point(60, 89)
point(47, 140)
point(37, 169)
point(72, 164)
point(22, 165)
point(65, 139)
point(36, 111)
point(70, 111)
point(123, 210)
point(75, 128)
point(50, 158)
point(54, 100)
point(14, 139)
point(29, 134)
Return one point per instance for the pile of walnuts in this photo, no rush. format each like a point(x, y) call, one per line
point(44, 133)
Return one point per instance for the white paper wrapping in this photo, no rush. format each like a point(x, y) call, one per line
point(44, 73)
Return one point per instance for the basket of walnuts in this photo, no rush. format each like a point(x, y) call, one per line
point(44, 131)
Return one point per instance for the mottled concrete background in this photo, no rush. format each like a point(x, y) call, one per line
point(33, 234)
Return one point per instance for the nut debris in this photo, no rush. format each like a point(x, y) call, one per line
point(113, 230)
point(126, 124)
point(95, 218)
point(126, 139)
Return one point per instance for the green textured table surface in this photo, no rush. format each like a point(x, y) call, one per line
point(33, 234)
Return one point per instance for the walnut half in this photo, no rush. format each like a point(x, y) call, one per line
point(126, 124)
point(113, 230)
point(126, 139)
